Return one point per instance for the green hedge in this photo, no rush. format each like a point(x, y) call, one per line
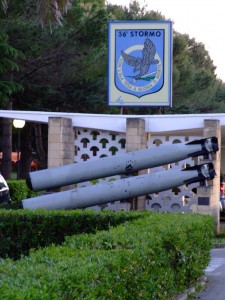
point(19, 191)
point(154, 257)
point(21, 230)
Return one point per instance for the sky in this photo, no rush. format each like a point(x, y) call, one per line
point(203, 20)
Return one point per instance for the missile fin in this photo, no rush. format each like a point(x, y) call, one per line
point(205, 172)
point(209, 145)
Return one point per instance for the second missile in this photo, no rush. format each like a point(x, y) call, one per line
point(121, 189)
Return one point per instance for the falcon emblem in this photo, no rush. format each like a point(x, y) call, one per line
point(142, 64)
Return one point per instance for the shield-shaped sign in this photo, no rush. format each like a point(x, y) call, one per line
point(140, 63)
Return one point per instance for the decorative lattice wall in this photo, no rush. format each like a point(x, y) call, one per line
point(183, 198)
point(93, 144)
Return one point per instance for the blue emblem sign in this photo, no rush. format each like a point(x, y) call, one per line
point(140, 63)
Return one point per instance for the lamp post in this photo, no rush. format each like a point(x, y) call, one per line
point(18, 124)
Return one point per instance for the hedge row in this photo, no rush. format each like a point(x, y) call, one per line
point(19, 191)
point(21, 230)
point(154, 257)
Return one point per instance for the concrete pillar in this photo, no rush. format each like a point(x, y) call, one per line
point(60, 143)
point(223, 160)
point(209, 196)
point(136, 139)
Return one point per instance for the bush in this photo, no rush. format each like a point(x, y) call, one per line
point(19, 191)
point(154, 257)
point(21, 230)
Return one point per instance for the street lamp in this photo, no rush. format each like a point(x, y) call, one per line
point(18, 124)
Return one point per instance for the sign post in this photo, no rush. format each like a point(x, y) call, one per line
point(140, 63)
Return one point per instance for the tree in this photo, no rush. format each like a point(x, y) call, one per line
point(47, 11)
point(62, 68)
point(194, 81)
point(65, 68)
point(74, 55)
point(7, 87)
point(8, 66)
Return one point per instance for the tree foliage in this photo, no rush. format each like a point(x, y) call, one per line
point(64, 68)
point(195, 83)
point(45, 12)
point(7, 68)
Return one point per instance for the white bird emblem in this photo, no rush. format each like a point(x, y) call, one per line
point(142, 64)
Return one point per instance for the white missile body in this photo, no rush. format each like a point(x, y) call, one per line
point(121, 189)
point(119, 164)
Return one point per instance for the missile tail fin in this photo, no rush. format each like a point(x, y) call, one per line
point(205, 172)
point(209, 145)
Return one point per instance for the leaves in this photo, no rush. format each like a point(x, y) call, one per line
point(4, 5)
point(49, 12)
point(72, 60)
point(8, 65)
point(151, 257)
point(194, 80)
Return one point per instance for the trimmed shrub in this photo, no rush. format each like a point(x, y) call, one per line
point(154, 257)
point(21, 230)
point(19, 191)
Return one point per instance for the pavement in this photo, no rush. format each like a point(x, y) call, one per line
point(212, 285)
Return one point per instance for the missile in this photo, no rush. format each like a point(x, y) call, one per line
point(119, 164)
point(121, 189)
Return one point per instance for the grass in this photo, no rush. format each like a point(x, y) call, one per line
point(220, 238)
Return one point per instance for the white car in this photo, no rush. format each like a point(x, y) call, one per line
point(4, 191)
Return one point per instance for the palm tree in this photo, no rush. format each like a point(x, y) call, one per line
point(49, 11)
